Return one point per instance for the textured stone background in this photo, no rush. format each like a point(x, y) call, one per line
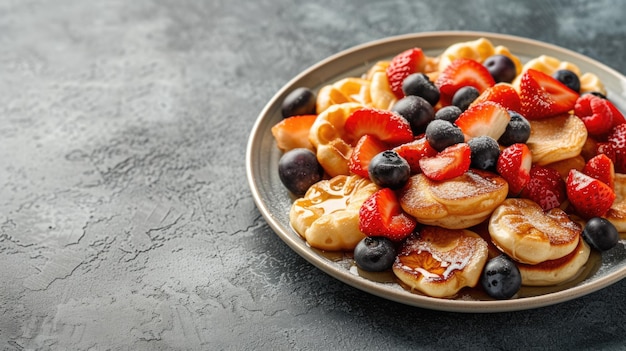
point(125, 217)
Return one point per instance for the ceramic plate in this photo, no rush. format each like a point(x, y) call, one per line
point(274, 201)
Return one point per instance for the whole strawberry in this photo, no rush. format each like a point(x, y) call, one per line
point(403, 65)
point(617, 141)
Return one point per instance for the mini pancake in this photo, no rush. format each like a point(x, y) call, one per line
point(556, 138)
point(617, 212)
point(553, 272)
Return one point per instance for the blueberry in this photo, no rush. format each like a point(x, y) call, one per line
point(301, 101)
point(569, 78)
point(416, 110)
point(419, 84)
point(449, 113)
point(464, 97)
point(485, 152)
point(517, 130)
point(501, 67)
point(298, 169)
point(440, 134)
point(501, 278)
point(374, 254)
point(389, 170)
point(600, 234)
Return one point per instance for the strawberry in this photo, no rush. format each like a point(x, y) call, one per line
point(601, 167)
point(543, 96)
point(366, 148)
point(381, 215)
point(385, 125)
point(460, 73)
point(618, 116)
point(589, 196)
point(595, 112)
point(485, 118)
point(414, 151)
point(293, 132)
point(401, 66)
point(545, 187)
point(451, 162)
point(502, 93)
point(514, 166)
point(617, 142)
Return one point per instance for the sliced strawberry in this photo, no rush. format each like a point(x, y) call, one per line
point(381, 215)
point(601, 167)
point(502, 93)
point(451, 162)
point(514, 166)
point(293, 132)
point(414, 151)
point(485, 118)
point(366, 148)
point(460, 73)
point(385, 125)
point(545, 187)
point(617, 142)
point(595, 112)
point(401, 66)
point(589, 196)
point(543, 96)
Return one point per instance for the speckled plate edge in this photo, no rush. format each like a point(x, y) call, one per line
point(273, 200)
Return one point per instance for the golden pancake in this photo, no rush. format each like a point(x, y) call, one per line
point(556, 138)
point(617, 212)
point(556, 271)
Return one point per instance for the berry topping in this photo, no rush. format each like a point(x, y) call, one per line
point(419, 84)
point(517, 131)
point(501, 68)
point(403, 65)
point(416, 110)
point(374, 254)
point(298, 169)
point(452, 162)
point(600, 234)
point(414, 151)
point(293, 132)
point(589, 196)
point(514, 166)
point(301, 101)
point(388, 169)
point(569, 78)
point(441, 134)
point(501, 278)
point(502, 93)
point(460, 73)
point(601, 167)
point(617, 147)
point(464, 97)
point(543, 96)
point(381, 215)
point(385, 125)
point(485, 152)
point(486, 118)
point(595, 112)
point(546, 187)
point(366, 148)
point(448, 113)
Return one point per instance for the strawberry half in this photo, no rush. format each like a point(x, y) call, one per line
point(293, 132)
point(601, 167)
point(451, 162)
point(595, 112)
point(414, 151)
point(385, 125)
point(484, 118)
point(514, 166)
point(403, 65)
point(545, 187)
point(460, 73)
point(366, 148)
point(589, 196)
point(543, 96)
point(381, 215)
point(617, 146)
point(502, 93)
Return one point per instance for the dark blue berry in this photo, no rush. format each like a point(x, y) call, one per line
point(485, 152)
point(374, 254)
point(449, 113)
point(517, 130)
point(501, 278)
point(600, 234)
point(389, 170)
point(464, 97)
point(501, 67)
point(419, 84)
point(440, 134)
point(298, 169)
point(416, 110)
point(301, 101)
point(569, 78)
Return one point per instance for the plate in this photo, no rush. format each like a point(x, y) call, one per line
point(273, 200)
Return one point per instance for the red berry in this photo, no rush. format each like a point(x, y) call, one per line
point(403, 65)
point(543, 96)
point(590, 197)
point(485, 118)
point(514, 166)
point(461, 73)
point(617, 142)
point(451, 162)
point(385, 125)
point(502, 93)
point(601, 167)
point(545, 187)
point(414, 151)
point(366, 148)
point(595, 112)
point(381, 215)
